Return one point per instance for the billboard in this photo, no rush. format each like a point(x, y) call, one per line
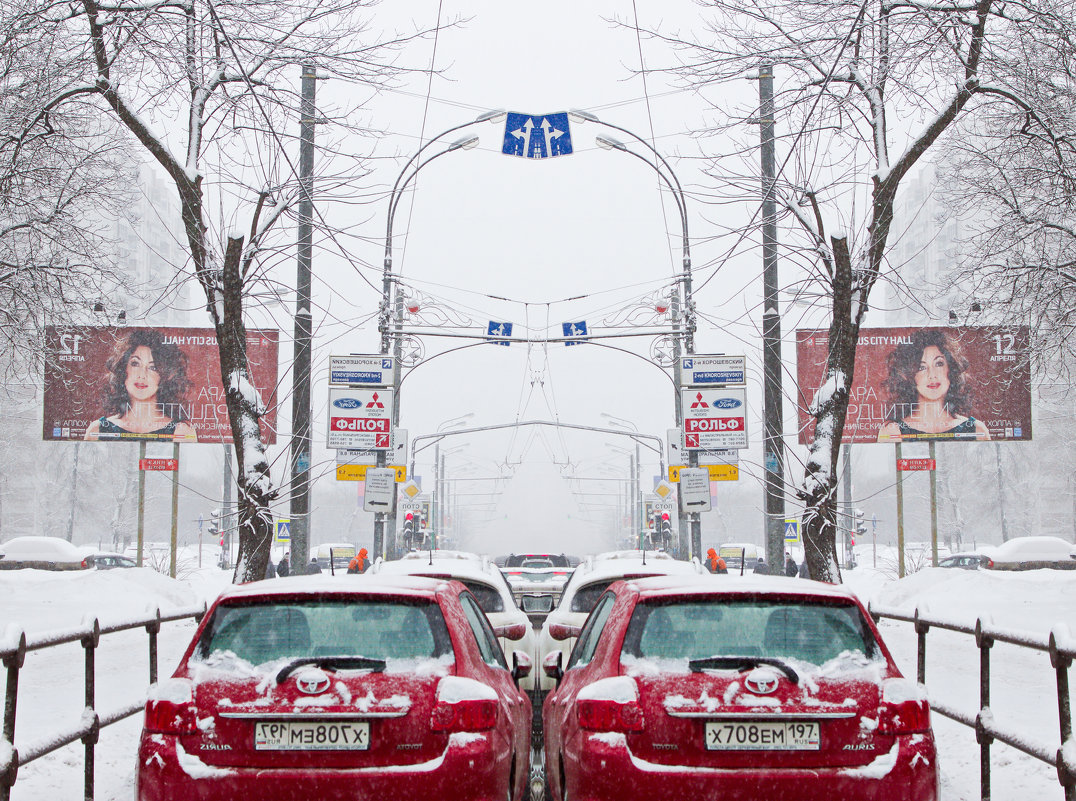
point(122, 384)
point(915, 384)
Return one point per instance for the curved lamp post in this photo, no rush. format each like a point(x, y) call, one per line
point(668, 176)
point(390, 321)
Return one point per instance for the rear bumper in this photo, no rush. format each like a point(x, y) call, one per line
point(605, 769)
point(467, 770)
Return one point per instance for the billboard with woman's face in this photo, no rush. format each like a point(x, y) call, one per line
point(128, 384)
point(913, 384)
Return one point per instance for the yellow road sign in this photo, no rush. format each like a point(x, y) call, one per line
point(723, 472)
point(357, 472)
point(674, 473)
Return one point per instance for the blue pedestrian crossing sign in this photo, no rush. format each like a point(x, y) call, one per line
point(496, 330)
point(578, 329)
point(283, 530)
point(537, 136)
point(792, 531)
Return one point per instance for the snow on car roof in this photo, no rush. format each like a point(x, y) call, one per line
point(322, 584)
point(754, 583)
point(473, 569)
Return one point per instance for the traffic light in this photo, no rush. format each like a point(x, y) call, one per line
point(666, 529)
point(409, 529)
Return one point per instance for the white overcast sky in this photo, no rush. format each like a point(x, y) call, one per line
point(592, 224)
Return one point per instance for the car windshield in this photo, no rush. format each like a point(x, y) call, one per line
point(778, 629)
point(267, 631)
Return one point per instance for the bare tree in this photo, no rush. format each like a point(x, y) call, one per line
point(866, 89)
point(59, 180)
point(208, 88)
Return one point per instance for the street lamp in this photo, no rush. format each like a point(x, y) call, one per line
point(668, 176)
point(391, 339)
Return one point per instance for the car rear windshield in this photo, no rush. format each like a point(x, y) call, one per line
point(520, 559)
point(489, 598)
point(585, 597)
point(277, 629)
point(783, 629)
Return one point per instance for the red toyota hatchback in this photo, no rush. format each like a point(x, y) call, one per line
point(310, 688)
point(760, 688)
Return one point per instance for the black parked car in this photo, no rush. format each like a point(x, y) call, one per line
point(967, 561)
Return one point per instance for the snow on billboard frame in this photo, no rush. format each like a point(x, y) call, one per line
point(998, 378)
point(76, 378)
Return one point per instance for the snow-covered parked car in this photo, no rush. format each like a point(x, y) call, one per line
point(484, 579)
point(682, 687)
point(43, 553)
point(1032, 553)
point(589, 580)
point(313, 688)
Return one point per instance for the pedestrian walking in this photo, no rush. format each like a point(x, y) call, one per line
point(284, 568)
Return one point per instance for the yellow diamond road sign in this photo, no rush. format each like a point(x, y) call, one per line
point(663, 490)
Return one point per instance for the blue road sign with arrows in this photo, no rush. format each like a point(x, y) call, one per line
point(537, 136)
point(578, 329)
point(496, 330)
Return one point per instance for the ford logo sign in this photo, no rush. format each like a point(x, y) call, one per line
point(347, 403)
point(727, 403)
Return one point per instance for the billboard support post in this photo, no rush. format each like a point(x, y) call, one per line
point(933, 507)
point(174, 539)
point(141, 501)
point(900, 515)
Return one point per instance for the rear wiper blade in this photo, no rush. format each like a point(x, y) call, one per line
point(330, 663)
point(742, 663)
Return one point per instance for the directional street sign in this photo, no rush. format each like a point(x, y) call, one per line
point(360, 418)
point(719, 456)
point(723, 472)
point(578, 329)
point(497, 330)
point(380, 495)
point(694, 490)
point(711, 370)
point(375, 371)
point(359, 472)
point(714, 418)
point(537, 136)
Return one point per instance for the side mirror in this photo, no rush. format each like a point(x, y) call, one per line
point(513, 631)
point(521, 665)
point(551, 665)
point(562, 631)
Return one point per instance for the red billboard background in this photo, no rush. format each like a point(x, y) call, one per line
point(998, 380)
point(77, 379)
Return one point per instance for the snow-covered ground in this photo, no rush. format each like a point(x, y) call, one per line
point(1024, 689)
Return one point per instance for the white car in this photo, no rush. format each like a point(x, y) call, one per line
point(1032, 553)
point(589, 581)
point(43, 553)
point(483, 578)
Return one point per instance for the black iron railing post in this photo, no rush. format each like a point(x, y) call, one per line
point(89, 740)
point(153, 627)
point(984, 643)
point(13, 662)
point(1061, 664)
point(921, 629)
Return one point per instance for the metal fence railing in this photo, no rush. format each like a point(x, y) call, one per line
point(13, 650)
point(1062, 650)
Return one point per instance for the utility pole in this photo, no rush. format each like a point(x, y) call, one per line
point(300, 397)
point(773, 447)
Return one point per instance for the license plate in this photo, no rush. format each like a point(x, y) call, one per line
point(311, 735)
point(762, 735)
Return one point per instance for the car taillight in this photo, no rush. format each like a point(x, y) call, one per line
point(907, 717)
point(475, 714)
point(602, 714)
point(168, 717)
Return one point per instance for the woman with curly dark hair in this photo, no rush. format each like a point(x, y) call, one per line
point(928, 387)
point(147, 386)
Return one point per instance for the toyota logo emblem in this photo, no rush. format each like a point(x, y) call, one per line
point(761, 682)
point(312, 683)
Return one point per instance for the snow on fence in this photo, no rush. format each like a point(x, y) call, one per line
point(13, 649)
point(1061, 647)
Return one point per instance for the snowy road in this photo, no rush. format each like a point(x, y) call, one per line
point(1024, 693)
